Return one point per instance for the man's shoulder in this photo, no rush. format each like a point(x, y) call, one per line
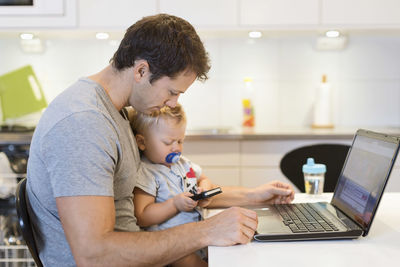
point(80, 103)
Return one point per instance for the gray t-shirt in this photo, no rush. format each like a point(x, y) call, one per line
point(164, 183)
point(82, 146)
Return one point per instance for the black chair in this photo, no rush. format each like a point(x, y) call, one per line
point(24, 221)
point(332, 155)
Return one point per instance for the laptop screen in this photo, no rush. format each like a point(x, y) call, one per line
point(364, 175)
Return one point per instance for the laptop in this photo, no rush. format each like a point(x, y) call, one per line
point(355, 200)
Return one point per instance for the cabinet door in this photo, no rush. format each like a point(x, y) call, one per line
point(39, 7)
point(216, 153)
point(366, 13)
point(205, 13)
point(219, 159)
point(116, 14)
point(269, 153)
point(223, 176)
point(252, 177)
point(57, 14)
point(279, 12)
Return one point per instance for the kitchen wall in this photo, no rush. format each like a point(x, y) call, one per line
point(286, 69)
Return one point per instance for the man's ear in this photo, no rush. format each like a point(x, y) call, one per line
point(141, 69)
point(140, 142)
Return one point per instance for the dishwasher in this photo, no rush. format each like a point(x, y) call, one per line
point(13, 251)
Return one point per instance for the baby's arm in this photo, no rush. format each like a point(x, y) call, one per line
point(148, 212)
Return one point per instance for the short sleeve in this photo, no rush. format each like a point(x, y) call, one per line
point(146, 180)
point(81, 153)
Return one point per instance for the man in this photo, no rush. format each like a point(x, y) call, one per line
point(84, 160)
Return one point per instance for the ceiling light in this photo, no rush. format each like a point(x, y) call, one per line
point(102, 35)
point(255, 34)
point(26, 36)
point(332, 34)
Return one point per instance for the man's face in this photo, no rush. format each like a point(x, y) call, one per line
point(165, 91)
point(163, 138)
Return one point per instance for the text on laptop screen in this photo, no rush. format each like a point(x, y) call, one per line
point(364, 177)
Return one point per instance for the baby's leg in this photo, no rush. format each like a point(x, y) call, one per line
point(190, 260)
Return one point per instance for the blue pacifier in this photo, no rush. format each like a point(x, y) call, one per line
point(173, 157)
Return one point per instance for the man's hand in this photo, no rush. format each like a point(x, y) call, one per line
point(183, 202)
point(232, 226)
point(273, 193)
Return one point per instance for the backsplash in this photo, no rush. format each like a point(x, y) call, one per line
point(286, 71)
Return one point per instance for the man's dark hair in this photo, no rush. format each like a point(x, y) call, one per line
point(168, 43)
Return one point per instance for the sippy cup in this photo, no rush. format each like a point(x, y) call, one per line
point(314, 176)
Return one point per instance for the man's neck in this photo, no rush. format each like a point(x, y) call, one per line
point(117, 84)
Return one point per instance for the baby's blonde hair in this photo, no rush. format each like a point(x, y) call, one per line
point(142, 122)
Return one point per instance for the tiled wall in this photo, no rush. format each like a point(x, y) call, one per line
point(286, 70)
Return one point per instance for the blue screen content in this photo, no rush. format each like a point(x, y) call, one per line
point(364, 176)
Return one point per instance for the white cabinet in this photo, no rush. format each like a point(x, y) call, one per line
point(254, 162)
point(39, 7)
point(116, 14)
point(361, 13)
point(45, 14)
point(220, 160)
point(226, 176)
point(279, 12)
point(205, 13)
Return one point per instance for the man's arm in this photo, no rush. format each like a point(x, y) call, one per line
point(272, 193)
point(88, 223)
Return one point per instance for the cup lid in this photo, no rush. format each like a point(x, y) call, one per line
point(313, 168)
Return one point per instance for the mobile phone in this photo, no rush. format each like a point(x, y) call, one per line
point(207, 194)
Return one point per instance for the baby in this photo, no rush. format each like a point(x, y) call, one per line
point(167, 180)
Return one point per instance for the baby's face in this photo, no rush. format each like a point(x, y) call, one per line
point(165, 137)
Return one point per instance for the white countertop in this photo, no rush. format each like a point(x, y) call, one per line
point(281, 133)
point(380, 248)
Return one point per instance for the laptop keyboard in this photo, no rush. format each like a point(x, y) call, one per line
point(301, 218)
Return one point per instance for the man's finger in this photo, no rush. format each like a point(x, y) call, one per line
point(281, 191)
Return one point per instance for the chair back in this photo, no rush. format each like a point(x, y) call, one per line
point(332, 155)
point(24, 222)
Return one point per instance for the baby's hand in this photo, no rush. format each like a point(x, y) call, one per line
point(183, 202)
point(204, 202)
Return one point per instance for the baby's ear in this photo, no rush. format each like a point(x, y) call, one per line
point(140, 142)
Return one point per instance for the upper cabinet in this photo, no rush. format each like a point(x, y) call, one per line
point(205, 13)
point(115, 14)
point(361, 13)
point(272, 13)
point(43, 14)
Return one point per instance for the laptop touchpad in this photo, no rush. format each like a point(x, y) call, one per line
point(269, 221)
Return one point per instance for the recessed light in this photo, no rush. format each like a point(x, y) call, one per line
point(26, 36)
point(332, 34)
point(255, 34)
point(102, 35)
